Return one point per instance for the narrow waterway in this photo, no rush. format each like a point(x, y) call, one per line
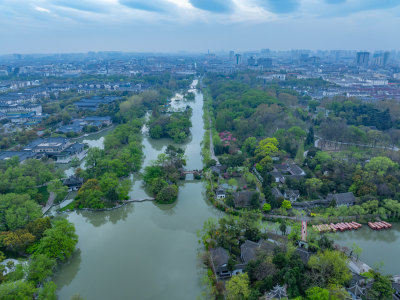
point(92, 140)
point(143, 250)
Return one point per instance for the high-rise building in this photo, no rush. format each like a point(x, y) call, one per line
point(362, 58)
point(265, 62)
point(238, 59)
point(386, 57)
point(231, 55)
point(251, 61)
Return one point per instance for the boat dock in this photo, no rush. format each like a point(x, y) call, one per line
point(350, 226)
point(337, 227)
point(379, 225)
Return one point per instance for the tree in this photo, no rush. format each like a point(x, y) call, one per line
point(40, 268)
point(380, 165)
point(249, 145)
point(156, 185)
point(232, 182)
point(313, 104)
point(370, 206)
point(267, 147)
point(59, 241)
point(38, 227)
point(266, 207)
point(17, 240)
point(17, 210)
point(109, 183)
point(168, 194)
point(20, 289)
point(317, 293)
point(322, 157)
point(90, 195)
point(237, 288)
point(393, 206)
point(286, 204)
point(156, 132)
point(93, 157)
point(329, 267)
point(310, 137)
point(313, 185)
point(381, 288)
point(264, 165)
point(57, 187)
point(48, 292)
point(282, 227)
point(17, 273)
point(75, 162)
point(255, 201)
point(325, 243)
point(356, 250)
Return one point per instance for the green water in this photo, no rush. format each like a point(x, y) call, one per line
point(143, 250)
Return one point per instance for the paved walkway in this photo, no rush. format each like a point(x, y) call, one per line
point(50, 203)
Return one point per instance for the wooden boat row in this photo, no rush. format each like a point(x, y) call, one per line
point(337, 227)
point(379, 225)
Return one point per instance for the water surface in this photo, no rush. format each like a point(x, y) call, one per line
point(143, 250)
point(377, 246)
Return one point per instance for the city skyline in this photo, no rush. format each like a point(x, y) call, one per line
point(166, 26)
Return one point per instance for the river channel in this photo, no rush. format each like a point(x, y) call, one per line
point(149, 251)
point(143, 250)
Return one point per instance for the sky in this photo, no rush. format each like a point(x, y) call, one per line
point(65, 26)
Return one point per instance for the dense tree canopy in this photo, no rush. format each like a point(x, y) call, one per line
point(59, 241)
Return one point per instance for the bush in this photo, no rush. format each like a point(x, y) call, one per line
point(167, 194)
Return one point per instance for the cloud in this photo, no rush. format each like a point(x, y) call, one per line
point(84, 5)
point(280, 6)
point(151, 6)
point(42, 9)
point(215, 6)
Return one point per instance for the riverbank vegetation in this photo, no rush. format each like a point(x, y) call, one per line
point(31, 246)
point(107, 169)
point(174, 125)
point(162, 176)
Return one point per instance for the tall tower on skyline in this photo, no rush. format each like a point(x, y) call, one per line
point(362, 58)
point(238, 59)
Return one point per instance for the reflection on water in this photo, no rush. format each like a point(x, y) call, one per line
point(377, 246)
point(101, 218)
point(69, 270)
point(143, 250)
